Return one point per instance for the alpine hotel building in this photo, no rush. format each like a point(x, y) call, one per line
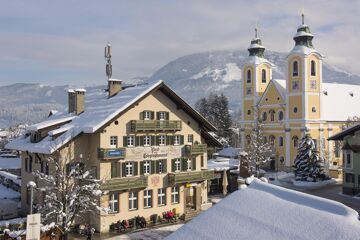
point(145, 143)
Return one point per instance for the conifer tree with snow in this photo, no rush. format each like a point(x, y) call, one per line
point(70, 193)
point(308, 166)
point(258, 150)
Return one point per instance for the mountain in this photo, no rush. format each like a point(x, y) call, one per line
point(191, 76)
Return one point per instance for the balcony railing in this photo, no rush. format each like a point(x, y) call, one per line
point(196, 149)
point(192, 176)
point(155, 125)
point(125, 183)
point(111, 153)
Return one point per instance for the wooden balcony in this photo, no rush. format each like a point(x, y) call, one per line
point(125, 183)
point(111, 153)
point(191, 176)
point(155, 125)
point(196, 149)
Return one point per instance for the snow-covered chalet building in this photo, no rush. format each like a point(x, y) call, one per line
point(300, 104)
point(145, 143)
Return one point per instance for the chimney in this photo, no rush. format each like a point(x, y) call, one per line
point(114, 86)
point(76, 101)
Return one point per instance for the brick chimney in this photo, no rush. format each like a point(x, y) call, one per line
point(114, 86)
point(76, 101)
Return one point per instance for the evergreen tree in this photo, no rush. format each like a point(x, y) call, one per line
point(308, 166)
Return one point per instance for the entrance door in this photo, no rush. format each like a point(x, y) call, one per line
point(272, 164)
point(190, 196)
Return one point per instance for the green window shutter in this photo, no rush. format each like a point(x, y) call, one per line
point(183, 164)
point(152, 167)
point(141, 140)
point(167, 115)
point(172, 165)
point(151, 115)
point(135, 164)
point(181, 139)
point(193, 161)
point(157, 140)
point(157, 115)
point(142, 168)
point(141, 115)
point(118, 169)
point(125, 141)
point(164, 163)
point(169, 140)
point(157, 166)
point(113, 169)
point(153, 140)
point(123, 169)
point(137, 141)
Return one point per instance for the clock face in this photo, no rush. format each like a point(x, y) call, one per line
point(295, 85)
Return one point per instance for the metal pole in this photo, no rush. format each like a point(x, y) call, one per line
point(31, 199)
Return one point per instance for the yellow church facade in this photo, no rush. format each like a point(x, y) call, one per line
point(301, 104)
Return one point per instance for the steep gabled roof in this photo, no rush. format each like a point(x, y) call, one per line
point(99, 110)
point(280, 86)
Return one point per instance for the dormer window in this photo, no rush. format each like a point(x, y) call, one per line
point(162, 115)
point(248, 76)
point(295, 69)
point(313, 68)
point(263, 76)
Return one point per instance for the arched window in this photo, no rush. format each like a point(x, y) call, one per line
point(313, 68)
point(281, 141)
point(264, 116)
point(248, 139)
point(263, 76)
point(272, 115)
point(296, 141)
point(272, 140)
point(280, 115)
point(295, 69)
point(248, 76)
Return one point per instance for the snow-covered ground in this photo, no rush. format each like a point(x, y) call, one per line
point(11, 163)
point(265, 211)
point(313, 184)
point(12, 221)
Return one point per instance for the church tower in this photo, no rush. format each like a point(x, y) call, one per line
point(257, 73)
point(304, 79)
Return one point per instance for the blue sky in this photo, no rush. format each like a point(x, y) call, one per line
point(61, 42)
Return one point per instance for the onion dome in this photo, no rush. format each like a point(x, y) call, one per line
point(256, 48)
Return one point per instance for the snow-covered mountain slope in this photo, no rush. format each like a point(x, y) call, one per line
point(197, 75)
point(191, 76)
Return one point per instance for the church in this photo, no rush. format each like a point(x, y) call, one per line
point(298, 105)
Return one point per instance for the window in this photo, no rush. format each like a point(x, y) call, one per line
point(47, 168)
point(272, 140)
point(130, 141)
point(190, 138)
point(265, 139)
point(162, 115)
point(296, 141)
point(313, 109)
point(160, 166)
point(44, 167)
point(175, 195)
point(147, 165)
point(272, 115)
point(114, 202)
point(162, 140)
point(263, 76)
point(188, 164)
point(113, 141)
point(295, 69)
point(161, 196)
point(202, 160)
point(129, 169)
point(313, 84)
point(248, 91)
point(30, 163)
point(115, 169)
point(280, 115)
point(337, 149)
point(348, 159)
point(133, 203)
point(147, 198)
point(26, 164)
point(295, 85)
point(315, 143)
point(177, 165)
point(147, 115)
point(248, 76)
point(264, 116)
point(281, 141)
point(147, 141)
point(349, 177)
point(177, 140)
point(248, 112)
point(313, 68)
point(295, 109)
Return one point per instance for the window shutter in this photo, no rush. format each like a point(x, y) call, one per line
point(135, 165)
point(169, 140)
point(141, 140)
point(193, 161)
point(152, 167)
point(181, 139)
point(125, 141)
point(123, 166)
point(153, 140)
point(141, 115)
point(172, 165)
point(183, 164)
point(137, 141)
point(157, 140)
point(113, 170)
point(157, 115)
point(142, 168)
point(167, 115)
point(152, 115)
point(164, 163)
point(157, 166)
point(118, 169)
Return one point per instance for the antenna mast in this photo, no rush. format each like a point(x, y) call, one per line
point(108, 60)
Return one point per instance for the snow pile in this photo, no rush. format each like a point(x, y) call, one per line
point(313, 184)
point(265, 211)
point(229, 152)
point(221, 164)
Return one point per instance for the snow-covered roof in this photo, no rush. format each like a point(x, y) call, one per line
point(265, 211)
point(257, 60)
point(221, 164)
point(303, 50)
point(302, 33)
point(15, 178)
point(255, 45)
point(280, 85)
point(99, 110)
point(229, 152)
point(114, 80)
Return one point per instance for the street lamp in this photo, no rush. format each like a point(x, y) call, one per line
point(31, 185)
